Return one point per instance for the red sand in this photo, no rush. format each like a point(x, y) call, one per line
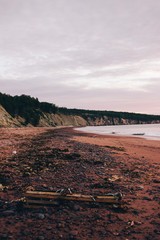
point(48, 159)
point(134, 146)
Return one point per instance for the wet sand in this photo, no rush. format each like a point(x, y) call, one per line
point(138, 147)
point(50, 159)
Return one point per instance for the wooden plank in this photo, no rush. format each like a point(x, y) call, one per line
point(71, 197)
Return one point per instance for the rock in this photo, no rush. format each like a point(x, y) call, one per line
point(49, 228)
point(113, 178)
point(157, 231)
point(40, 238)
point(147, 198)
point(4, 236)
point(1, 204)
point(26, 174)
point(30, 188)
point(1, 187)
point(138, 223)
point(41, 216)
point(140, 187)
point(116, 234)
point(156, 180)
point(76, 207)
point(8, 212)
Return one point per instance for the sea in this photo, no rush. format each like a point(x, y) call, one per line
point(149, 131)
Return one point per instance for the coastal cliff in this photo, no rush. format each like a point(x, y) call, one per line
point(46, 120)
point(50, 119)
point(25, 111)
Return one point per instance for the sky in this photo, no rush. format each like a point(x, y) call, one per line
point(87, 54)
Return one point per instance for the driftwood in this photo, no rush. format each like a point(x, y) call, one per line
point(50, 198)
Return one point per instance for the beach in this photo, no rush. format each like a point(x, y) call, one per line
point(51, 159)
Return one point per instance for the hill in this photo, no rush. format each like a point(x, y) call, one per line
point(16, 111)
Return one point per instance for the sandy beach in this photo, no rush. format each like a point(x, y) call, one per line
point(50, 159)
point(136, 147)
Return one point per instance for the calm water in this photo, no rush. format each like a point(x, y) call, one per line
point(151, 131)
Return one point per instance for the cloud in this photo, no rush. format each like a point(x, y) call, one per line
point(94, 51)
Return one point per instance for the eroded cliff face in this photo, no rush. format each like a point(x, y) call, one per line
point(47, 120)
point(61, 120)
point(6, 120)
point(104, 121)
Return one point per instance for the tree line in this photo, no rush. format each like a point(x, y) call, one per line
point(112, 114)
point(26, 107)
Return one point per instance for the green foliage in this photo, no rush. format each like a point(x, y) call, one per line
point(26, 107)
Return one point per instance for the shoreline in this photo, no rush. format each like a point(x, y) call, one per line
point(143, 147)
point(114, 133)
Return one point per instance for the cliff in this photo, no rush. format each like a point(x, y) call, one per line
point(46, 120)
point(22, 111)
point(6, 120)
point(50, 119)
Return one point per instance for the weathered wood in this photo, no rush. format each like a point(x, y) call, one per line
point(34, 195)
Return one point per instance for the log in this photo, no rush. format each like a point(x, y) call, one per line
point(47, 198)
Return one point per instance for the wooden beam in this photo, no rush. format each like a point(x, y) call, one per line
point(46, 197)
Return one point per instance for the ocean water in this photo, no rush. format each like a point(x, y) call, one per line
point(149, 131)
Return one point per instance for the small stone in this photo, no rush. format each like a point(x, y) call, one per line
point(157, 232)
point(116, 234)
point(49, 228)
point(1, 187)
point(156, 180)
point(141, 187)
point(147, 198)
point(8, 212)
point(41, 216)
point(115, 206)
point(139, 223)
point(4, 236)
point(26, 174)
point(40, 238)
point(76, 207)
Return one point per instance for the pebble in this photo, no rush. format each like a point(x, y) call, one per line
point(138, 223)
point(41, 238)
point(8, 212)
point(156, 180)
point(76, 207)
point(147, 198)
point(49, 228)
point(41, 216)
point(4, 236)
point(1, 187)
point(141, 187)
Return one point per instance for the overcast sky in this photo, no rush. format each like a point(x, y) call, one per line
point(90, 54)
